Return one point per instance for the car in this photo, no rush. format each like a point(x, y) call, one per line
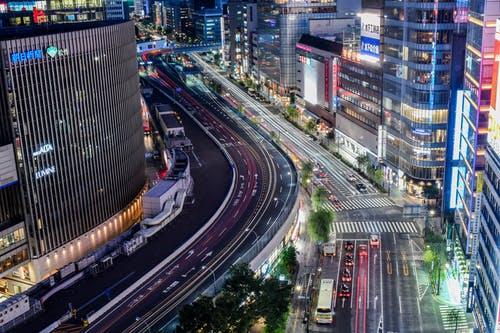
point(334, 199)
point(351, 177)
point(362, 250)
point(349, 255)
point(348, 262)
point(349, 246)
point(345, 290)
point(322, 174)
point(374, 241)
point(361, 187)
point(346, 275)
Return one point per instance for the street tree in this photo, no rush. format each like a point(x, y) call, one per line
point(379, 177)
point(287, 263)
point(320, 225)
point(273, 304)
point(198, 316)
point(319, 197)
point(310, 126)
point(306, 173)
point(292, 113)
point(363, 161)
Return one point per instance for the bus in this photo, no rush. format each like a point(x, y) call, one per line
point(329, 249)
point(324, 311)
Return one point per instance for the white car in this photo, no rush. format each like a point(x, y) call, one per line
point(374, 241)
point(351, 177)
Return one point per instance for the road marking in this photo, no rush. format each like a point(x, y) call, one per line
point(389, 268)
point(400, 307)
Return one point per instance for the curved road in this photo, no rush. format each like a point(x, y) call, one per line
point(264, 183)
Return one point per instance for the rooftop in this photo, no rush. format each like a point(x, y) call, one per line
point(7, 33)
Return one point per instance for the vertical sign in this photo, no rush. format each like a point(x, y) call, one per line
point(327, 81)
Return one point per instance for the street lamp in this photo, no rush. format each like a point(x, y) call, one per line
point(213, 275)
point(145, 322)
point(256, 236)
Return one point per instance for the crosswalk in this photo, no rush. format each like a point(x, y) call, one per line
point(352, 204)
point(453, 316)
point(375, 226)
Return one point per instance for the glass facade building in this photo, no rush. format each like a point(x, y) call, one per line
point(26, 13)
point(417, 66)
point(487, 260)
point(280, 25)
point(70, 109)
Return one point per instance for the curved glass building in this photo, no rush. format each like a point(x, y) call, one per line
point(71, 102)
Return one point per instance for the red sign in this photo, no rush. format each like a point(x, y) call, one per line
point(327, 82)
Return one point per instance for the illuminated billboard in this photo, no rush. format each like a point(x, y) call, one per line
point(494, 114)
point(370, 37)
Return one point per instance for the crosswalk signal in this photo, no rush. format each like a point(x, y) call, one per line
point(85, 323)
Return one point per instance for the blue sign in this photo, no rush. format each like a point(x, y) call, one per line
point(26, 56)
point(370, 47)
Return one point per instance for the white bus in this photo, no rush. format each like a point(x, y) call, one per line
point(329, 249)
point(324, 311)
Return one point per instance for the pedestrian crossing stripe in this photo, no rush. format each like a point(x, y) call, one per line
point(375, 226)
point(358, 204)
point(449, 321)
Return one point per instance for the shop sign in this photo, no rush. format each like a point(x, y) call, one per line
point(24, 56)
point(43, 150)
point(45, 172)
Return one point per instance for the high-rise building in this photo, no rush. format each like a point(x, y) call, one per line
point(280, 25)
point(19, 13)
point(208, 23)
point(71, 142)
point(417, 67)
point(487, 291)
point(116, 10)
point(242, 22)
point(469, 141)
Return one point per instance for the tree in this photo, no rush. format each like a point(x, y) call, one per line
point(330, 135)
point(319, 197)
point(306, 173)
point(431, 192)
point(198, 316)
point(310, 125)
point(379, 177)
point(320, 225)
point(454, 315)
point(292, 113)
point(363, 161)
point(287, 263)
point(273, 304)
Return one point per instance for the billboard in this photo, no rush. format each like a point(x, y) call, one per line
point(8, 172)
point(494, 114)
point(370, 37)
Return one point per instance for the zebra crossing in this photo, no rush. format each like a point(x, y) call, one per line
point(375, 227)
point(452, 316)
point(353, 204)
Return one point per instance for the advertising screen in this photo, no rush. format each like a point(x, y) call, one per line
point(370, 37)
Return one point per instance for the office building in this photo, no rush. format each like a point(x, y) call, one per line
point(71, 143)
point(242, 22)
point(470, 136)
point(116, 10)
point(21, 14)
point(416, 74)
point(208, 25)
point(487, 290)
point(280, 26)
point(317, 77)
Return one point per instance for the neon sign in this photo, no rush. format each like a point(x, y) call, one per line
point(17, 57)
point(45, 172)
point(43, 149)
